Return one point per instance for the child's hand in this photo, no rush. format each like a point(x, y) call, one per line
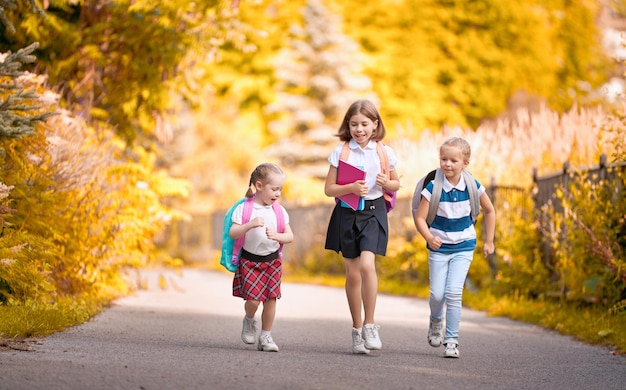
point(381, 179)
point(488, 249)
point(257, 222)
point(359, 188)
point(435, 243)
point(271, 234)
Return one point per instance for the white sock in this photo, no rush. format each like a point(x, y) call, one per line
point(264, 332)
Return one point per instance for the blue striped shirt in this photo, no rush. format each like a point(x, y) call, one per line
point(453, 223)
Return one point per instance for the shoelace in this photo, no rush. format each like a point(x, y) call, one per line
point(450, 347)
point(435, 329)
point(370, 330)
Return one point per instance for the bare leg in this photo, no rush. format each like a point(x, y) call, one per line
point(250, 307)
point(369, 286)
point(269, 312)
point(353, 290)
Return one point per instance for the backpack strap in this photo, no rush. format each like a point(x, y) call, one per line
point(384, 165)
point(472, 189)
point(435, 196)
point(280, 223)
point(382, 156)
point(345, 152)
point(245, 218)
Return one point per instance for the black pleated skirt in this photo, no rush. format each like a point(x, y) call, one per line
point(351, 232)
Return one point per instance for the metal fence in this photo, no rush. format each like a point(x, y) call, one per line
point(546, 188)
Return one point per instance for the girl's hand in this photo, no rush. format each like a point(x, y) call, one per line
point(256, 222)
point(271, 234)
point(381, 180)
point(359, 188)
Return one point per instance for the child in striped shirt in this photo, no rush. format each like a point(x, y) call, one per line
point(451, 240)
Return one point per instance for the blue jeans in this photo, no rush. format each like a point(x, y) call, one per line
point(447, 276)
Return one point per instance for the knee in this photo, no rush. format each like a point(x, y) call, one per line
point(252, 303)
point(454, 297)
point(269, 303)
point(436, 297)
point(369, 270)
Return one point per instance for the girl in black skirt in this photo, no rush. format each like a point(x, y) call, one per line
point(361, 234)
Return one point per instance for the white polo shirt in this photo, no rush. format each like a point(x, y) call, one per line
point(453, 223)
point(366, 159)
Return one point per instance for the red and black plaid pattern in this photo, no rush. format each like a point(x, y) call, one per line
point(258, 281)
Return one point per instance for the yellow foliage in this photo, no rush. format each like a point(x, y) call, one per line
point(85, 209)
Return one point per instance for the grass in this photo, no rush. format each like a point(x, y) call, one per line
point(591, 324)
point(34, 319)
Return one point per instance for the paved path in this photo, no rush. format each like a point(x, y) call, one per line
point(189, 338)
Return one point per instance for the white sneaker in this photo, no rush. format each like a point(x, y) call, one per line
point(266, 344)
point(371, 337)
point(248, 331)
point(452, 349)
point(435, 336)
point(358, 345)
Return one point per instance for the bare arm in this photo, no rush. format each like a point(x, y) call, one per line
point(284, 238)
point(422, 226)
point(238, 230)
point(489, 219)
point(332, 189)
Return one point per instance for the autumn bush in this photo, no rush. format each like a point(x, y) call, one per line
point(80, 208)
point(588, 233)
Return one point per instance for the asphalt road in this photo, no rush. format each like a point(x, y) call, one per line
point(189, 338)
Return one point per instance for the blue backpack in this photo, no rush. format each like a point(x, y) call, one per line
point(231, 249)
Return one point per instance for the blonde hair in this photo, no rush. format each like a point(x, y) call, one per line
point(461, 143)
point(261, 174)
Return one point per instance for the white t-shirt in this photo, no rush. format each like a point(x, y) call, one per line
point(256, 239)
point(366, 159)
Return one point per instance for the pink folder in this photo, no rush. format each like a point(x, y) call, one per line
point(346, 174)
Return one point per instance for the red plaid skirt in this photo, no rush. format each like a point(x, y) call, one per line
point(258, 281)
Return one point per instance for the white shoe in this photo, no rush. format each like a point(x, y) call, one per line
point(266, 344)
point(248, 331)
point(452, 349)
point(435, 333)
point(371, 337)
point(358, 345)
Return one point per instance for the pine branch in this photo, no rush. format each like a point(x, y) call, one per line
point(12, 5)
point(20, 108)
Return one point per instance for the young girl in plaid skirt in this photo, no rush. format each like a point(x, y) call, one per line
point(257, 278)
